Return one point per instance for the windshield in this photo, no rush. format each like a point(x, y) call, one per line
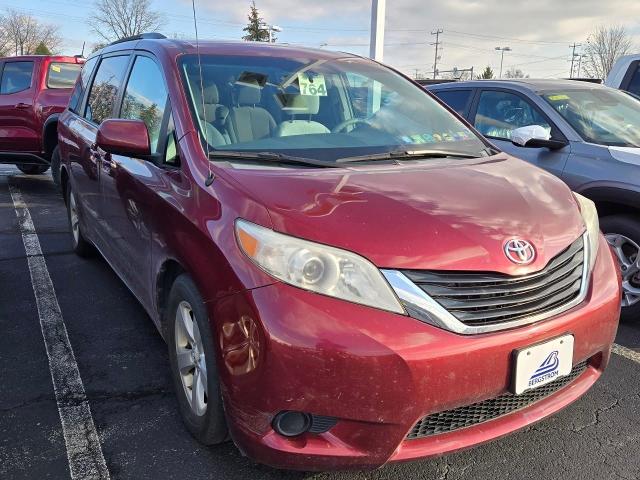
point(323, 109)
point(602, 116)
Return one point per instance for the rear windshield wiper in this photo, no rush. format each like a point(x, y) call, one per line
point(268, 157)
point(405, 154)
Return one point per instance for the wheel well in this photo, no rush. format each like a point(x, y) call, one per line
point(606, 208)
point(50, 138)
point(64, 181)
point(169, 271)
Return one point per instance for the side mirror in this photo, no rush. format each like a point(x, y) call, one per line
point(535, 136)
point(124, 137)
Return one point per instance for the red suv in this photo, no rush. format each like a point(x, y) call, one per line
point(345, 272)
point(34, 89)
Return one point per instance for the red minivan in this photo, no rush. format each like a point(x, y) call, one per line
point(345, 272)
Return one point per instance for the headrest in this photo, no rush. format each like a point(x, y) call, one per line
point(300, 104)
point(249, 95)
point(211, 94)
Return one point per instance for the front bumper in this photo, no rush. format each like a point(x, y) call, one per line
point(281, 348)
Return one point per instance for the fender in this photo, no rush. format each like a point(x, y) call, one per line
point(613, 192)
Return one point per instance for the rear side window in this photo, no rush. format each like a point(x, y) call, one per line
point(16, 77)
point(456, 99)
point(81, 86)
point(62, 75)
point(145, 98)
point(105, 88)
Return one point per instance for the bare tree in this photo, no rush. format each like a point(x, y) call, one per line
point(604, 47)
point(20, 34)
point(116, 19)
point(514, 72)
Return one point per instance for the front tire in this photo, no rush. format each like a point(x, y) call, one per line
point(623, 234)
point(192, 356)
point(80, 245)
point(33, 169)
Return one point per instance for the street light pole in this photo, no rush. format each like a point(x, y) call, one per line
point(376, 45)
point(502, 50)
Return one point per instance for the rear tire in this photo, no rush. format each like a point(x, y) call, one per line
point(192, 356)
point(55, 167)
point(623, 234)
point(33, 169)
point(79, 244)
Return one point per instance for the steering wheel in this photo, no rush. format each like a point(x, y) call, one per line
point(343, 125)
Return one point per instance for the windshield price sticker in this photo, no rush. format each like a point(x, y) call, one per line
point(55, 68)
point(557, 98)
point(312, 86)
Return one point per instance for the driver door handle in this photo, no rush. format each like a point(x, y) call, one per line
point(22, 106)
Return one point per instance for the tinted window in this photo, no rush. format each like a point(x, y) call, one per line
point(81, 86)
point(501, 112)
point(456, 99)
point(634, 84)
point(105, 88)
point(145, 98)
point(62, 75)
point(16, 77)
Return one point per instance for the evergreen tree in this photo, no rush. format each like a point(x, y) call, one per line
point(487, 74)
point(255, 31)
point(42, 49)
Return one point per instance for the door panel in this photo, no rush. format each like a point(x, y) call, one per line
point(18, 125)
point(128, 184)
point(499, 112)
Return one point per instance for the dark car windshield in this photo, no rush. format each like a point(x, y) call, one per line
point(324, 109)
point(602, 116)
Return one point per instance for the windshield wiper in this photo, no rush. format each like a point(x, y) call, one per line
point(268, 157)
point(405, 154)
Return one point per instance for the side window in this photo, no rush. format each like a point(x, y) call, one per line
point(104, 90)
point(16, 77)
point(456, 99)
point(145, 98)
point(501, 112)
point(634, 84)
point(81, 85)
point(367, 96)
point(62, 75)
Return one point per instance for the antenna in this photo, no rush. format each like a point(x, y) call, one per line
point(210, 177)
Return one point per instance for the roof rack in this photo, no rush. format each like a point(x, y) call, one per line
point(142, 36)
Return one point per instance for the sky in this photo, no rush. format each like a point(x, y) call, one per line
point(539, 32)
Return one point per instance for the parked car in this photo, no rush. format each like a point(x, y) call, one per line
point(625, 74)
point(34, 89)
point(586, 134)
point(336, 291)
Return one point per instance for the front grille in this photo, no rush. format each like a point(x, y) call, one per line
point(480, 412)
point(480, 299)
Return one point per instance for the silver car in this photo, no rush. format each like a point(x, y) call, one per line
point(586, 134)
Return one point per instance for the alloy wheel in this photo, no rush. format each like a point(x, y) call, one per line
point(192, 367)
point(628, 254)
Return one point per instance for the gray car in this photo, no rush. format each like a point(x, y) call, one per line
point(586, 134)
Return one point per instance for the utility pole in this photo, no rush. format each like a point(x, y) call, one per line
point(573, 56)
point(435, 58)
point(502, 49)
point(416, 77)
point(376, 44)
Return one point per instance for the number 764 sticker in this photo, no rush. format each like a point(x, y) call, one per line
point(312, 86)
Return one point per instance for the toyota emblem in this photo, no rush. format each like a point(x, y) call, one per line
point(519, 251)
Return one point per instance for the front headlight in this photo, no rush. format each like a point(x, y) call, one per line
point(590, 217)
point(319, 268)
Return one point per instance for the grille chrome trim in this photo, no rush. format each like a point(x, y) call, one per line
point(423, 307)
point(491, 409)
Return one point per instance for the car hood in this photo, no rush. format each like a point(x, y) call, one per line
point(445, 215)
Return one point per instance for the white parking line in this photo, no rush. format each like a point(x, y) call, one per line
point(84, 452)
point(626, 352)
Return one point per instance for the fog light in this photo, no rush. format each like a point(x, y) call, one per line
point(291, 424)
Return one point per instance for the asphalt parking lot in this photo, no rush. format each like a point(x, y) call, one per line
point(123, 366)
